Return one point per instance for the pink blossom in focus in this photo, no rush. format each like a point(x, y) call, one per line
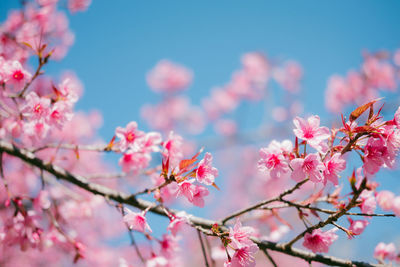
point(169, 77)
point(375, 155)
point(310, 130)
point(244, 256)
point(239, 235)
point(205, 172)
point(273, 161)
point(136, 221)
point(319, 241)
point(333, 167)
point(310, 166)
point(187, 189)
point(128, 136)
point(385, 251)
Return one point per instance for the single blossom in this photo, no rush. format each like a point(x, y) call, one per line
point(244, 256)
point(273, 161)
point(357, 227)
point(129, 136)
point(239, 235)
point(310, 131)
point(333, 167)
point(310, 166)
point(198, 195)
point(319, 241)
point(385, 199)
point(36, 107)
point(205, 172)
point(136, 221)
point(368, 202)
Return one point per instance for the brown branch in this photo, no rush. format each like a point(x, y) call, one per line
point(297, 205)
point(202, 248)
point(265, 202)
point(200, 223)
point(332, 218)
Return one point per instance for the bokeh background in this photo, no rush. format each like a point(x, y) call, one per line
point(118, 42)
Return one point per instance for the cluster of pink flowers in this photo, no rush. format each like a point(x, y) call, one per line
point(244, 248)
point(280, 159)
point(386, 252)
point(137, 147)
point(319, 241)
point(377, 72)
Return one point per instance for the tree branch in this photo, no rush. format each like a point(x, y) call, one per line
point(123, 198)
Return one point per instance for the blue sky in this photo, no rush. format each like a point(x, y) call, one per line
point(117, 42)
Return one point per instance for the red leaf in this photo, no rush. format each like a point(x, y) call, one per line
point(364, 129)
point(186, 163)
point(360, 110)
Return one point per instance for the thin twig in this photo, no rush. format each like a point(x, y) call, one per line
point(265, 202)
point(203, 249)
point(270, 258)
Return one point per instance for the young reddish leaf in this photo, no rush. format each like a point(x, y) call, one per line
point(110, 144)
point(186, 163)
point(360, 110)
point(364, 129)
point(216, 186)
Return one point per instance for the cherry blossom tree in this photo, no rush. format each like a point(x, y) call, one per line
point(281, 201)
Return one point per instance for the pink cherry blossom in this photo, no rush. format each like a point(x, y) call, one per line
point(173, 148)
point(16, 75)
point(177, 222)
point(128, 136)
point(310, 166)
point(396, 206)
point(136, 221)
point(375, 155)
point(205, 172)
point(358, 226)
point(319, 241)
point(273, 161)
point(310, 130)
point(169, 77)
point(187, 189)
point(36, 107)
point(385, 199)
point(244, 256)
point(239, 235)
point(151, 142)
point(368, 202)
point(385, 251)
point(198, 195)
point(78, 5)
point(333, 167)
point(134, 161)
point(397, 117)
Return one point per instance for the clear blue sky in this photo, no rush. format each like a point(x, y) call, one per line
point(117, 42)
